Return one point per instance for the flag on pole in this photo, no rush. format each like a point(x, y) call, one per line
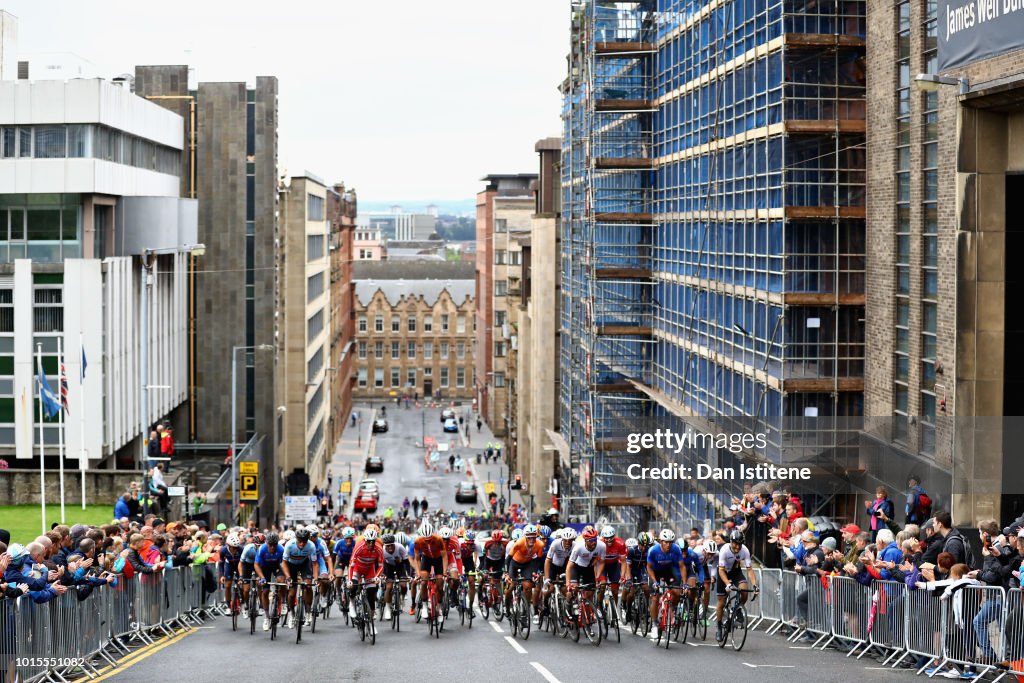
point(51, 406)
point(84, 364)
point(64, 388)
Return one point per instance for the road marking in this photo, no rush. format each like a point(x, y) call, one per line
point(800, 647)
point(769, 666)
point(495, 626)
point(515, 646)
point(548, 676)
point(139, 655)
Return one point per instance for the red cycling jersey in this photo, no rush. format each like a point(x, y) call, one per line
point(451, 545)
point(614, 550)
point(367, 561)
point(467, 548)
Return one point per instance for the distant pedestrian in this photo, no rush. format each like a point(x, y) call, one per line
point(501, 504)
point(479, 424)
point(423, 505)
point(416, 396)
point(406, 402)
point(461, 420)
point(451, 462)
point(354, 418)
point(415, 507)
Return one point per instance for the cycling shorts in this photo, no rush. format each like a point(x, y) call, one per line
point(395, 571)
point(469, 564)
point(231, 571)
point(270, 570)
point(521, 569)
point(583, 575)
point(435, 563)
point(557, 572)
point(613, 572)
point(301, 570)
point(491, 565)
point(735, 577)
point(638, 571)
point(668, 575)
point(246, 570)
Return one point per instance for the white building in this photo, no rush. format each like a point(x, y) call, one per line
point(89, 181)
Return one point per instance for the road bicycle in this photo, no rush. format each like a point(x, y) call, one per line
point(253, 604)
point(276, 603)
point(327, 599)
point(491, 598)
point(465, 608)
point(298, 612)
point(609, 612)
point(553, 611)
point(696, 615)
point(734, 619)
point(364, 614)
point(396, 602)
point(638, 611)
point(519, 617)
point(582, 615)
point(666, 614)
point(235, 603)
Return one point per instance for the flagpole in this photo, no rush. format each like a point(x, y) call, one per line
point(81, 415)
point(42, 444)
point(60, 420)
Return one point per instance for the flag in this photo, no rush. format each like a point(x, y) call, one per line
point(84, 365)
point(51, 406)
point(64, 389)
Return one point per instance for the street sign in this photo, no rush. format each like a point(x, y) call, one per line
point(248, 467)
point(346, 487)
point(248, 487)
point(174, 491)
point(300, 508)
point(489, 487)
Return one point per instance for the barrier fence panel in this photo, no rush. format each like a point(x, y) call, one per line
point(817, 599)
point(887, 619)
point(922, 628)
point(973, 619)
point(8, 638)
point(33, 633)
point(1013, 643)
point(792, 584)
point(770, 583)
point(850, 611)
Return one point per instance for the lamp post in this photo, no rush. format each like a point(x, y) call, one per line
point(234, 417)
point(931, 82)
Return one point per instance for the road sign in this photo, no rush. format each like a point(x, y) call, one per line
point(300, 508)
point(489, 487)
point(248, 487)
point(248, 467)
point(174, 491)
point(346, 487)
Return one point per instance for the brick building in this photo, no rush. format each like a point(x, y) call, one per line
point(341, 213)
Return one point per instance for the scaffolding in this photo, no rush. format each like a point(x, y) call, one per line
point(712, 238)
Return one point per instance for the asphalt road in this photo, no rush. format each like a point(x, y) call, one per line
point(404, 472)
point(335, 653)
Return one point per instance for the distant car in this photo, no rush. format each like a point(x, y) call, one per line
point(365, 503)
point(450, 425)
point(447, 414)
point(466, 492)
point(375, 463)
point(369, 487)
point(380, 425)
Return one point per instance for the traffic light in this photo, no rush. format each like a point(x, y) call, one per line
point(519, 482)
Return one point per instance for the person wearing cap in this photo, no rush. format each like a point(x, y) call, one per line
point(29, 579)
point(850, 533)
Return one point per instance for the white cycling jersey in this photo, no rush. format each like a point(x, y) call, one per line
point(557, 554)
point(582, 557)
point(400, 554)
point(728, 560)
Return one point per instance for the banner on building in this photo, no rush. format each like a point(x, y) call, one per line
point(971, 30)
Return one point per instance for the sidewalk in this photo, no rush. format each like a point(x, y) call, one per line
point(495, 472)
point(350, 455)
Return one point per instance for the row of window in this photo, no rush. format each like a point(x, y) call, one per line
point(315, 325)
point(507, 258)
point(87, 141)
point(444, 350)
point(428, 323)
point(47, 314)
point(314, 208)
point(314, 286)
point(443, 377)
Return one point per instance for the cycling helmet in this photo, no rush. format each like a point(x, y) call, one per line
point(259, 539)
point(302, 535)
point(710, 547)
point(517, 534)
point(644, 538)
point(370, 535)
point(667, 535)
point(589, 527)
point(736, 536)
point(530, 530)
point(497, 534)
point(289, 535)
point(272, 538)
point(589, 534)
point(348, 532)
point(568, 534)
point(388, 539)
point(314, 532)
point(608, 532)
point(426, 529)
point(373, 527)
point(544, 531)
point(234, 541)
point(445, 532)
point(327, 533)
point(631, 543)
point(470, 535)
point(460, 532)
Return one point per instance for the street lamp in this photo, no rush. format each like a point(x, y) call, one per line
point(931, 82)
point(234, 417)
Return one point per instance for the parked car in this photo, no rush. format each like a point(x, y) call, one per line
point(450, 425)
point(374, 463)
point(447, 414)
point(465, 492)
point(369, 487)
point(365, 503)
point(380, 425)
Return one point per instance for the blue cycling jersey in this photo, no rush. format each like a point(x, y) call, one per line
point(296, 555)
point(659, 560)
point(635, 555)
point(321, 550)
point(343, 549)
point(694, 564)
point(265, 556)
point(249, 553)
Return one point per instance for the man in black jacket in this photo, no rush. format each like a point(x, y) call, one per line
point(953, 541)
point(998, 565)
point(933, 541)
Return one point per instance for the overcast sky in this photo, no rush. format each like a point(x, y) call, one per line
point(401, 99)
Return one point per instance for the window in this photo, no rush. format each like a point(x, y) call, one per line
point(444, 378)
point(315, 325)
point(499, 380)
point(315, 287)
point(315, 365)
point(460, 350)
point(362, 377)
point(444, 322)
point(428, 371)
point(378, 323)
point(411, 323)
point(499, 257)
point(411, 350)
point(378, 377)
point(500, 225)
point(314, 208)
point(395, 377)
point(428, 323)
point(396, 323)
point(499, 349)
point(378, 350)
point(7, 314)
point(396, 347)
point(515, 258)
point(460, 377)
point(48, 313)
point(410, 377)
point(314, 247)
point(362, 349)
point(444, 350)
point(500, 288)
point(460, 325)
point(51, 142)
point(428, 350)
point(500, 318)
point(362, 323)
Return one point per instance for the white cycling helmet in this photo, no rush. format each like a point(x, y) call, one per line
point(667, 535)
point(568, 534)
point(234, 541)
point(445, 532)
point(517, 534)
point(710, 547)
point(289, 535)
point(426, 529)
point(608, 532)
point(348, 532)
point(401, 539)
point(370, 534)
point(530, 530)
point(632, 543)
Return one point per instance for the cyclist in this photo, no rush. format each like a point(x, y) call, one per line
point(520, 561)
point(615, 564)
point(586, 561)
point(227, 566)
point(468, 554)
point(636, 557)
point(709, 553)
point(269, 557)
point(665, 563)
point(343, 548)
point(557, 557)
point(245, 565)
point(430, 556)
point(493, 561)
point(396, 566)
point(366, 565)
point(695, 573)
point(730, 573)
point(300, 561)
point(323, 558)
point(451, 546)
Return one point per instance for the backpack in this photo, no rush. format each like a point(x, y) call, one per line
point(923, 509)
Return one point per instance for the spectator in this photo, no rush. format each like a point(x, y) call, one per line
point(121, 509)
point(918, 508)
point(879, 511)
point(153, 447)
point(953, 541)
point(415, 507)
point(889, 554)
point(999, 558)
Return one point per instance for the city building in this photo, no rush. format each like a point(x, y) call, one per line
point(398, 225)
point(8, 46)
point(414, 330)
point(945, 189)
point(713, 246)
point(95, 243)
point(416, 250)
point(503, 211)
point(230, 151)
point(342, 208)
point(534, 442)
point(369, 245)
point(304, 363)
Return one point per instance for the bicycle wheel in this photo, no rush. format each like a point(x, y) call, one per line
point(666, 614)
point(613, 624)
point(485, 602)
point(396, 607)
point(498, 604)
point(739, 628)
point(361, 619)
point(328, 600)
point(572, 620)
point(343, 604)
point(590, 621)
point(315, 609)
point(371, 625)
point(235, 606)
point(602, 614)
point(525, 618)
point(643, 615)
point(726, 627)
point(700, 622)
point(300, 614)
point(435, 613)
point(682, 627)
point(275, 608)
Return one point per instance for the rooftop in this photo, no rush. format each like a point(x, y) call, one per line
point(413, 270)
point(430, 290)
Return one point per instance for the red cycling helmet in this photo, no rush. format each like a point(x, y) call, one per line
point(497, 534)
point(590, 534)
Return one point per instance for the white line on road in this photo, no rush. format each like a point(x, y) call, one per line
point(548, 676)
point(495, 626)
point(769, 666)
point(515, 646)
point(800, 647)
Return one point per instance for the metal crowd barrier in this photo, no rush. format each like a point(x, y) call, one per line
point(973, 620)
point(818, 599)
point(792, 584)
point(1013, 641)
point(72, 635)
point(887, 618)
point(850, 612)
point(770, 600)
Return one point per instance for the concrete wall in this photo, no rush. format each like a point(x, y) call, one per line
point(102, 487)
point(156, 223)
